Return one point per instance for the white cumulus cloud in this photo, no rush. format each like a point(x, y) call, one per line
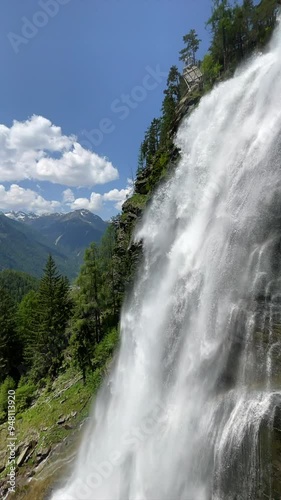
point(96, 200)
point(17, 198)
point(119, 195)
point(94, 203)
point(68, 196)
point(36, 149)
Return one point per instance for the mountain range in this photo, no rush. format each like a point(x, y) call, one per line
point(26, 239)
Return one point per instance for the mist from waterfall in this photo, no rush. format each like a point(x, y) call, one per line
point(194, 387)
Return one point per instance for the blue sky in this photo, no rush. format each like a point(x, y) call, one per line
point(80, 82)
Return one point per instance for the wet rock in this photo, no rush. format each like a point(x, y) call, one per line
point(42, 454)
point(23, 456)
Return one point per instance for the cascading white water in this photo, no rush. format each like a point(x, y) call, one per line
point(193, 387)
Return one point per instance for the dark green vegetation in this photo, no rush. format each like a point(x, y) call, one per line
point(55, 347)
point(50, 331)
point(17, 283)
point(55, 326)
point(237, 29)
point(25, 242)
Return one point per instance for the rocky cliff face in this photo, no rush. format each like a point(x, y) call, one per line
point(147, 180)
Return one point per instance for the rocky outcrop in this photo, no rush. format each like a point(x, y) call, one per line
point(42, 454)
point(25, 451)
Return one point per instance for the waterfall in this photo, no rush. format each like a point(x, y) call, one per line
point(188, 409)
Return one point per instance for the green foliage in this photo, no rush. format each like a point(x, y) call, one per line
point(104, 351)
point(49, 321)
point(237, 29)
point(24, 396)
point(8, 384)
point(138, 200)
point(10, 346)
point(97, 298)
point(141, 159)
point(17, 283)
point(169, 106)
point(86, 320)
point(160, 167)
point(150, 144)
point(110, 294)
point(192, 43)
point(211, 70)
point(157, 137)
point(264, 20)
point(26, 319)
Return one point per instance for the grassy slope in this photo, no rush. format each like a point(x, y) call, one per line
point(66, 397)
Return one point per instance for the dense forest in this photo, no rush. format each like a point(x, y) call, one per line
point(49, 324)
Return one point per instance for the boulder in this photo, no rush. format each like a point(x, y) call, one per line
point(67, 427)
point(23, 456)
point(42, 454)
point(24, 453)
point(61, 420)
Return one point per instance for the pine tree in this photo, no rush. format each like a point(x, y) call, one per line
point(265, 18)
point(110, 298)
point(86, 321)
point(10, 347)
point(82, 337)
point(188, 53)
point(141, 159)
point(169, 106)
point(153, 138)
point(51, 319)
point(26, 319)
point(150, 145)
point(221, 27)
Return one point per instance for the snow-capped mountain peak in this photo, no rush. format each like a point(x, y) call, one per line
point(21, 216)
